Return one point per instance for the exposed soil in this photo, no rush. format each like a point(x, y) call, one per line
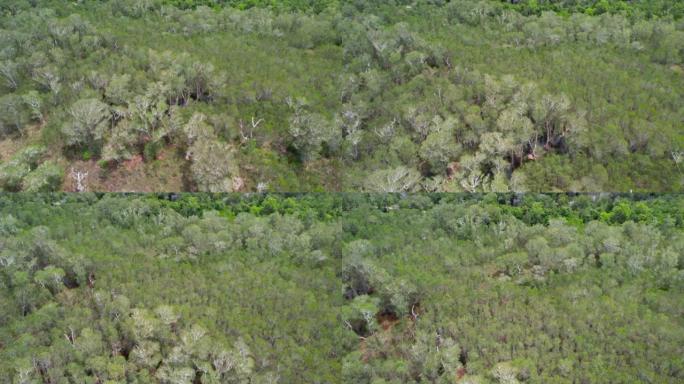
point(387, 320)
point(132, 164)
point(12, 144)
point(135, 175)
point(460, 372)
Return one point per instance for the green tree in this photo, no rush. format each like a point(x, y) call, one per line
point(47, 177)
point(89, 120)
point(440, 148)
point(13, 115)
point(309, 131)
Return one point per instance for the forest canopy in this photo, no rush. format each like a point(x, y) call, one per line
point(512, 174)
point(341, 288)
point(377, 96)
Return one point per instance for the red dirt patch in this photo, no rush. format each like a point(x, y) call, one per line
point(134, 175)
point(165, 152)
point(133, 163)
point(365, 355)
point(387, 320)
point(460, 372)
point(87, 167)
point(452, 169)
point(11, 145)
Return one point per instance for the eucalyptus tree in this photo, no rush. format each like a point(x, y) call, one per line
point(89, 121)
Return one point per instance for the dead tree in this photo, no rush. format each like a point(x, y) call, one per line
point(79, 177)
point(262, 187)
point(677, 157)
point(249, 135)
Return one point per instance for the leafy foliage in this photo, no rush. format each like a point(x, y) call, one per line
point(648, 8)
point(367, 95)
point(27, 170)
point(346, 288)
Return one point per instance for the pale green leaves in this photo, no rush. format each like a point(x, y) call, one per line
point(213, 166)
point(89, 121)
point(28, 171)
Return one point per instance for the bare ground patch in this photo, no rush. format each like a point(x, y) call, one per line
point(13, 144)
point(135, 175)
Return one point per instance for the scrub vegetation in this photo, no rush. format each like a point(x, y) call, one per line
point(342, 288)
point(366, 95)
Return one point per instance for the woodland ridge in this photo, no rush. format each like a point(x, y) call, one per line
point(378, 96)
point(341, 288)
